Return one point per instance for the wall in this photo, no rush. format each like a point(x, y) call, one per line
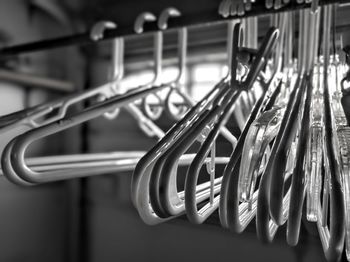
point(36, 222)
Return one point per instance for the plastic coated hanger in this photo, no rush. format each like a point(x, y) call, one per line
point(142, 172)
point(199, 216)
point(14, 153)
point(166, 179)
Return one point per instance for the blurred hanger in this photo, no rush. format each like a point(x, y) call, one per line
point(146, 125)
point(57, 109)
point(13, 158)
point(107, 162)
point(152, 110)
point(177, 90)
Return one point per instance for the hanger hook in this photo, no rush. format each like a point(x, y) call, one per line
point(117, 73)
point(98, 29)
point(314, 6)
point(182, 37)
point(96, 34)
point(224, 8)
point(141, 19)
point(165, 15)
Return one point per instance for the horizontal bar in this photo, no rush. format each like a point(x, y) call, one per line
point(36, 81)
point(174, 23)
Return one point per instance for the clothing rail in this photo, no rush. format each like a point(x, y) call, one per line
point(176, 22)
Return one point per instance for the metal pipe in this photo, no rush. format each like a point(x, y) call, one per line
point(152, 27)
